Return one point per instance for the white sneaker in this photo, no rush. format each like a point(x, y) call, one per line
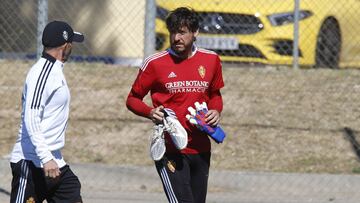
point(157, 144)
point(176, 131)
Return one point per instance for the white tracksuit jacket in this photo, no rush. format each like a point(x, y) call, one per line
point(45, 112)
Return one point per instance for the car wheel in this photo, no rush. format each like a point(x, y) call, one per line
point(328, 45)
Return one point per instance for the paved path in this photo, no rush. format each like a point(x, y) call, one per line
point(132, 184)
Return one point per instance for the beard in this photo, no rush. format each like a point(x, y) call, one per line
point(66, 54)
point(177, 50)
point(182, 49)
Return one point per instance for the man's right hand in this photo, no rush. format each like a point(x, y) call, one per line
point(51, 169)
point(156, 115)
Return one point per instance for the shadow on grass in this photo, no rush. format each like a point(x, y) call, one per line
point(4, 192)
point(350, 135)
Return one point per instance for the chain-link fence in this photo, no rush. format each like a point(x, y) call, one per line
point(286, 128)
point(114, 29)
point(240, 31)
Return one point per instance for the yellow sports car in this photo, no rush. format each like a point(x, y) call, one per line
point(262, 31)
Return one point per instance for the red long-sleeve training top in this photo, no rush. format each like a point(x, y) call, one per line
point(178, 84)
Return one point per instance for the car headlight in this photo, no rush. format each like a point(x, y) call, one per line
point(161, 13)
point(279, 19)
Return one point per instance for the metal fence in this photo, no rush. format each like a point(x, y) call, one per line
point(287, 130)
point(293, 32)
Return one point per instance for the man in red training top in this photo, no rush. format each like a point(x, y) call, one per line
point(177, 78)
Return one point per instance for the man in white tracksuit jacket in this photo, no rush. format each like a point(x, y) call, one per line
point(38, 168)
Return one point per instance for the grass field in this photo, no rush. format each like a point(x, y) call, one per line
point(276, 119)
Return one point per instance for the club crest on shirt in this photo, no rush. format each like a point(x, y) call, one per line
point(202, 71)
point(171, 165)
point(30, 200)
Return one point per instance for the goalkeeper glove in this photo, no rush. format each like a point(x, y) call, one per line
point(197, 118)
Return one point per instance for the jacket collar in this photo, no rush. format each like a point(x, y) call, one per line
point(48, 57)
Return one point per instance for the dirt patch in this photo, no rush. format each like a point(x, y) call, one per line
point(276, 119)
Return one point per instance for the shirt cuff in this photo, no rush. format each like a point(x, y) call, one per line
point(47, 157)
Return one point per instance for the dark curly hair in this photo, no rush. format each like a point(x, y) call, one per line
point(181, 17)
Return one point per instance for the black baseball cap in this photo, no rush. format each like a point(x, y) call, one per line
point(57, 33)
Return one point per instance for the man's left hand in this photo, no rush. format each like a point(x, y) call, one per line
point(212, 117)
